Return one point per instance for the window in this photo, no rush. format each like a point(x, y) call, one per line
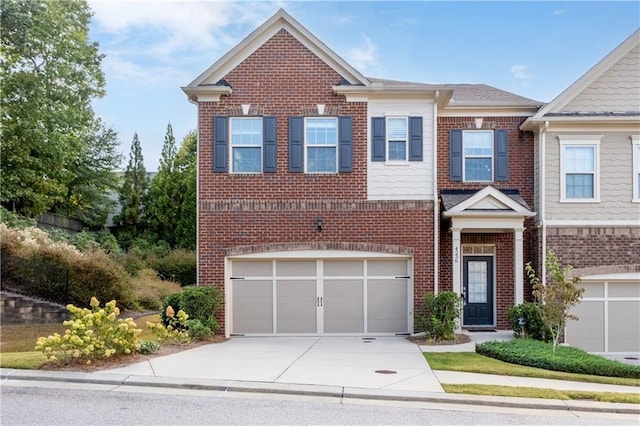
point(246, 145)
point(478, 155)
point(397, 138)
point(579, 164)
point(635, 144)
point(321, 143)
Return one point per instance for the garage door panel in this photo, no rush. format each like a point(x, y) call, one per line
point(252, 306)
point(296, 268)
point(343, 268)
point(624, 326)
point(343, 308)
point(296, 309)
point(387, 306)
point(624, 290)
point(592, 290)
point(588, 332)
point(263, 268)
point(383, 268)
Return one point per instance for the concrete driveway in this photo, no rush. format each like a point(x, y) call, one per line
point(375, 363)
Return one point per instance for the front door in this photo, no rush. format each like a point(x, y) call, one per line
point(478, 290)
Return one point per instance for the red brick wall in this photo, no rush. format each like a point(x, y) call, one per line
point(521, 177)
point(588, 247)
point(282, 78)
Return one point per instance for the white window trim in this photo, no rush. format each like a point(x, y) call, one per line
point(231, 146)
point(464, 156)
point(387, 140)
point(587, 141)
point(635, 145)
point(306, 147)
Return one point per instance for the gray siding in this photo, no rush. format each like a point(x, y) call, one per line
point(617, 90)
point(616, 171)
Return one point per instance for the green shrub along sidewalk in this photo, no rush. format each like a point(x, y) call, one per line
point(534, 353)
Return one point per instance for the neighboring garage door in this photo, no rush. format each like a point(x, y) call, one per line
point(328, 296)
point(608, 316)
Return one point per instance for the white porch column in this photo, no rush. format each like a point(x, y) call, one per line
point(457, 269)
point(518, 271)
point(457, 261)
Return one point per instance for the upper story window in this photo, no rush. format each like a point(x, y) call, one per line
point(579, 168)
point(478, 155)
point(396, 139)
point(321, 144)
point(246, 144)
point(635, 145)
point(397, 136)
point(250, 143)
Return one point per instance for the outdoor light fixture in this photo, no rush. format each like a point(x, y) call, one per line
point(319, 224)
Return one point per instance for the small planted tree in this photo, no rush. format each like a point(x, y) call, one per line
point(557, 298)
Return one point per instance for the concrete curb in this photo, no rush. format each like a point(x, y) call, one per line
point(315, 390)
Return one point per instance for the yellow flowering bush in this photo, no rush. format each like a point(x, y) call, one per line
point(91, 334)
point(176, 331)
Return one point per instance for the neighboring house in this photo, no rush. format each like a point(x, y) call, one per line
point(318, 204)
point(588, 196)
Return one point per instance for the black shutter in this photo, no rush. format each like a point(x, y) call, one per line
point(415, 138)
point(345, 153)
point(220, 152)
point(501, 155)
point(455, 155)
point(269, 145)
point(296, 146)
point(378, 151)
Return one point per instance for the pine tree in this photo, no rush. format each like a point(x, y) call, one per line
point(132, 195)
point(163, 202)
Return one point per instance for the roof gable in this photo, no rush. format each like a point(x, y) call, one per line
point(599, 89)
point(280, 20)
point(487, 201)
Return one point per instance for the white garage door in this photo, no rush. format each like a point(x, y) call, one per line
point(608, 316)
point(327, 296)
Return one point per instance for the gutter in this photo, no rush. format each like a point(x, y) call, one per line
point(436, 203)
point(542, 192)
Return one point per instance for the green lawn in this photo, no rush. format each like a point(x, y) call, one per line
point(471, 362)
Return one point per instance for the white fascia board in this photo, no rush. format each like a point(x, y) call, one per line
point(487, 224)
point(488, 192)
point(318, 254)
point(488, 111)
point(207, 93)
point(623, 276)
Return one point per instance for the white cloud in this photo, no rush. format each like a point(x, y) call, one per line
point(559, 11)
point(520, 72)
point(365, 57)
point(178, 25)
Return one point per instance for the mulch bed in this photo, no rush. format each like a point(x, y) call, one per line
point(422, 340)
point(124, 360)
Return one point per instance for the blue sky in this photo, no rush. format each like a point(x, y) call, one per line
point(535, 49)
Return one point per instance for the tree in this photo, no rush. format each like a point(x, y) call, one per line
point(186, 166)
point(53, 146)
point(557, 298)
point(132, 195)
point(163, 202)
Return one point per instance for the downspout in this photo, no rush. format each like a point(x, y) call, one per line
point(436, 204)
point(543, 221)
point(197, 191)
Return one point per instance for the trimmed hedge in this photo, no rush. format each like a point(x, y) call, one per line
point(201, 304)
point(533, 326)
point(534, 353)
